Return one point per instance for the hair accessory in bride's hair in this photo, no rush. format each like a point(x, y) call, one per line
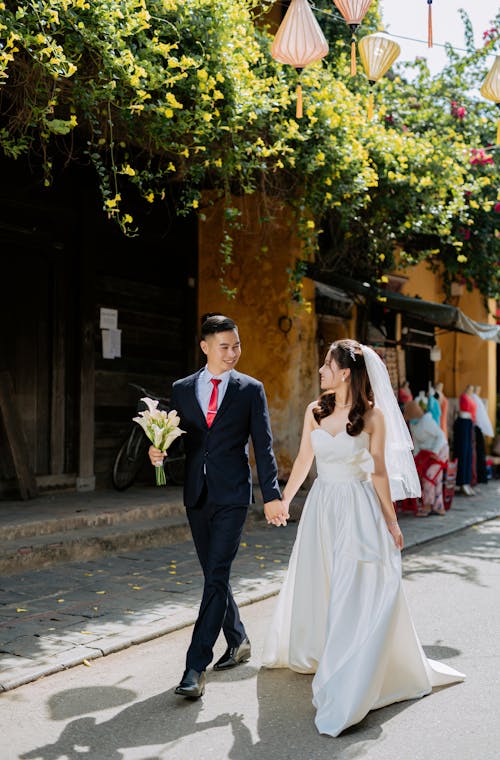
point(352, 348)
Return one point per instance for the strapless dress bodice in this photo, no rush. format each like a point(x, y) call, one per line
point(341, 457)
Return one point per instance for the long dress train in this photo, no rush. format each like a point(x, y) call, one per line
point(342, 613)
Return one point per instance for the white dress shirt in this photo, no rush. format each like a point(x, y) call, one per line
point(204, 388)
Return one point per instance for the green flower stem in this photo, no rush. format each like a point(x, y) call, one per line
point(160, 475)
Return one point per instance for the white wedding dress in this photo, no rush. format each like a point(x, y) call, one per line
point(342, 613)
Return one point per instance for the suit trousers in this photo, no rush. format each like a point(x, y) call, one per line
point(216, 531)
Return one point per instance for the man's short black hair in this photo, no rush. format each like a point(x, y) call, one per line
point(216, 323)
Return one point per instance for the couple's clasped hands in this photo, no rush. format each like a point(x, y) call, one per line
point(276, 512)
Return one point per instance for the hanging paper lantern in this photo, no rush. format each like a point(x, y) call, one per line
point(354, 12)
point(378, 52)
point(299, 41)
point(429, 24)
point(491, 88)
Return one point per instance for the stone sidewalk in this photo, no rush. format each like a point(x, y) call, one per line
point(69, 614)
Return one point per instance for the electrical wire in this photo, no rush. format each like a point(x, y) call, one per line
point(338, 17)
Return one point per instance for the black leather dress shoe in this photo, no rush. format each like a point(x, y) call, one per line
point(234, 655)
point(192, 684)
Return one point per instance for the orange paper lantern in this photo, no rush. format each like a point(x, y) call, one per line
point(354, 12)
point(299, 41)
point(377, 52)
point(490, 88)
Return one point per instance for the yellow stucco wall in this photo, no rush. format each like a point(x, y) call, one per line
point(287, 364)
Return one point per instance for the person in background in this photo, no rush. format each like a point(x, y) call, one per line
point(482, 427)
point(463, 439)
point(433, 405)
point(422, 400)
point(443, 405)
point(431, 456)
point(404, 394)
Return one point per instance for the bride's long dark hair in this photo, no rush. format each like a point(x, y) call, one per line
point(347, 354)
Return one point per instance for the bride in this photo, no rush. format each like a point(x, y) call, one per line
point(342, 613)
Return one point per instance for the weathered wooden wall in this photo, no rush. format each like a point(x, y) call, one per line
point(62, 260)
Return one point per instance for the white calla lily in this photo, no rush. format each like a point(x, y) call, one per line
point(161, 427)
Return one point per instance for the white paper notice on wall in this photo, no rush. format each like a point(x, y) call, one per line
point(111, 344)
point(108, 319)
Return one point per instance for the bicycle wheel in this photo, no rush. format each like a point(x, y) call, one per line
point(175, 463)
point(129, 459)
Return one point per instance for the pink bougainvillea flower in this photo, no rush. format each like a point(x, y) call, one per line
point(479, 156)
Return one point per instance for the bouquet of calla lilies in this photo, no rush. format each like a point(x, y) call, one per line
point(162, 428)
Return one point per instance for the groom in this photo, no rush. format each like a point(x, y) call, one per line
point(219, 410)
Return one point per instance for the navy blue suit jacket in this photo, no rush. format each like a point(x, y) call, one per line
point(219, 454)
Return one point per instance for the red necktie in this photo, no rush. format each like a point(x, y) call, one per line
point(212, 404)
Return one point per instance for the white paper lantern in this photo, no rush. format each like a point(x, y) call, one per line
point(377, 52)
point(491, 88)
point(299, 41)
point(354, 12)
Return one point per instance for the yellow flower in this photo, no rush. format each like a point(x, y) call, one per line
point(172, 100)
point(128, 170)
point(461, 258)
point(310, 224)
point(112, 202)
point(195, 203)
point(127, 219)
point(150, 197)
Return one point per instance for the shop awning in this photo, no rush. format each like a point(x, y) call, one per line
point(441, 315)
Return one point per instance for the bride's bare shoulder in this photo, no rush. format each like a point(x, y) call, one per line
point(373, 419)
point(309, 416)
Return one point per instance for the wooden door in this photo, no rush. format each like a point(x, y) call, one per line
point(36, 321)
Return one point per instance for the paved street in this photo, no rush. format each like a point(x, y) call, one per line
point(122, 707)
point(67, 614)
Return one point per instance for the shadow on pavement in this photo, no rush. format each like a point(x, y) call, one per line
point(456, 554)
point(159, 720)
point(285, 725)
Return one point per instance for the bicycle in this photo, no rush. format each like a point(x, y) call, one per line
point(133, 452)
